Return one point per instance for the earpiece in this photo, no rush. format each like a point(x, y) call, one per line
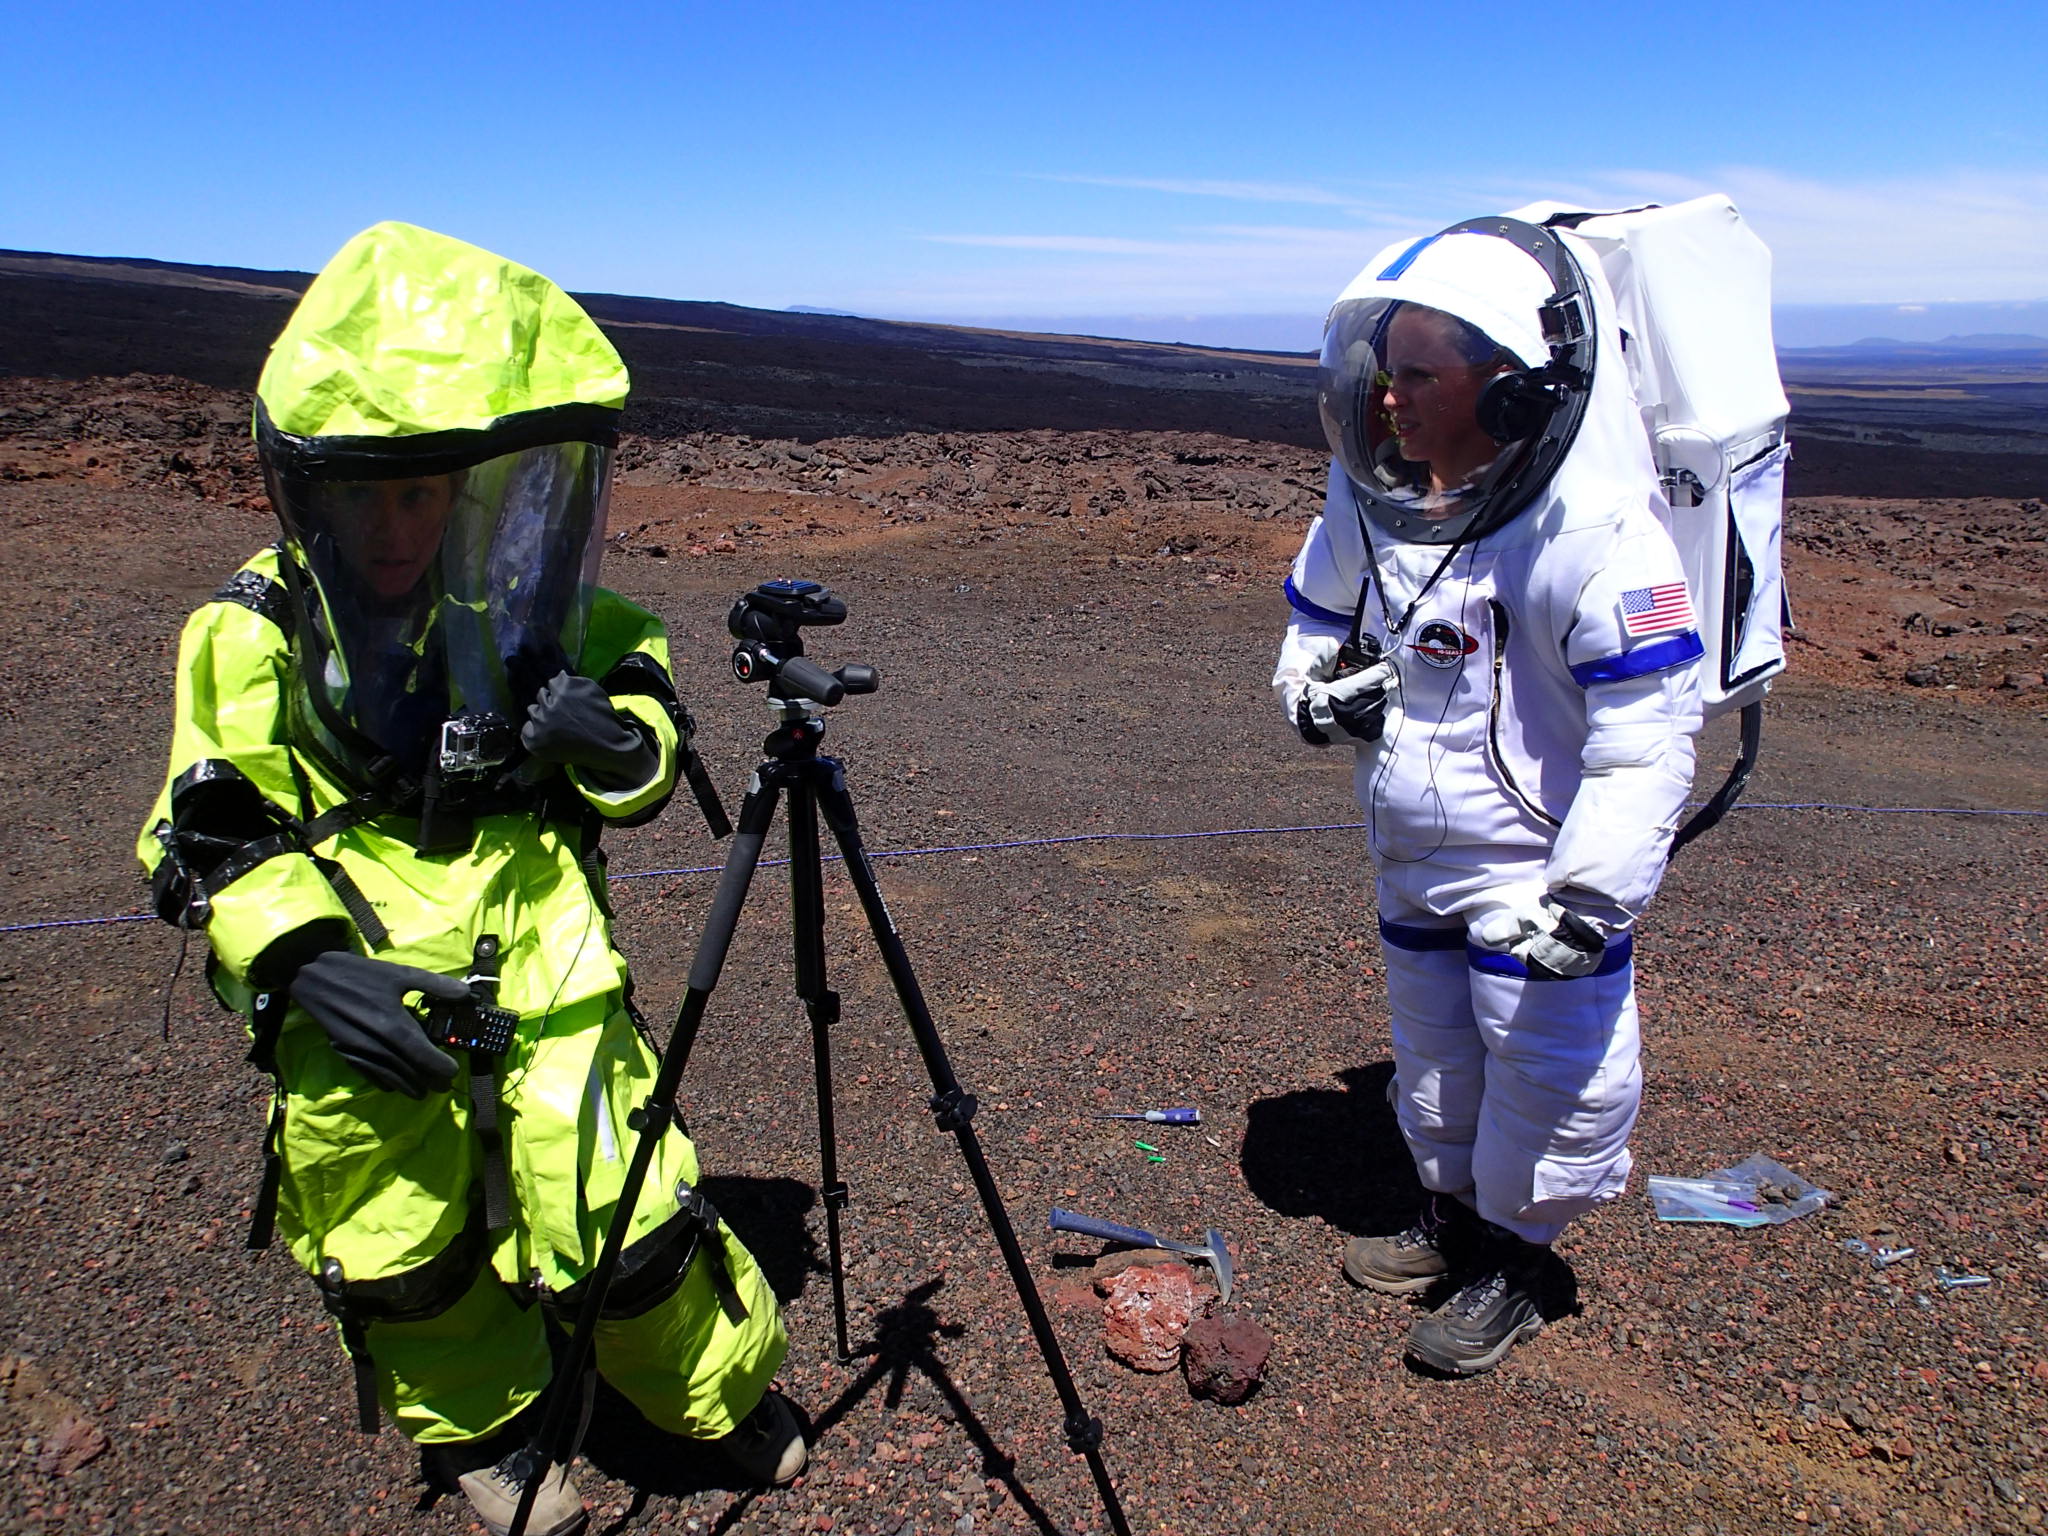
point(1518, 404)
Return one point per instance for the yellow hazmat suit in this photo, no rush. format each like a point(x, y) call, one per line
point(295, 820)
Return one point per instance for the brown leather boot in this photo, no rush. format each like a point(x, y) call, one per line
point(1416, 1258)
point(494, 1491)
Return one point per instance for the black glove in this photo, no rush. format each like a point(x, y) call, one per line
point(1349, 708)
point(360, 1002)
point(572, 721)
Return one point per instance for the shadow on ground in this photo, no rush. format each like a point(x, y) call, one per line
point(768, 1216)
point(1337, 1155)
point(624, 1446)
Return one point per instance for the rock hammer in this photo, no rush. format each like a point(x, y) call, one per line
point(1211, 1247)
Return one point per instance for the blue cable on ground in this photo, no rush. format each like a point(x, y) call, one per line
point(1125, 837)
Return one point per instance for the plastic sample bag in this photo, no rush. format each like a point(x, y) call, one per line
point(1756, 1192)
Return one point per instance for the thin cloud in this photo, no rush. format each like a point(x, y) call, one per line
point(1239, 191)
point(1093, 245)
point(1966, 236)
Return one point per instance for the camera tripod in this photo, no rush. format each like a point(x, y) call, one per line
point(814, 784)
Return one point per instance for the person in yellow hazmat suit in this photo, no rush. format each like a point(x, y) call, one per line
point(399, 733)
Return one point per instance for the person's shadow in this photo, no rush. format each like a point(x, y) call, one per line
point(1334, 1154)
point(1341, 1156)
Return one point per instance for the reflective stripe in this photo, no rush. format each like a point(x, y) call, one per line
point(1657, 656)
point(1494, 963)
point(1421, 940)
point(601, 1112)
point(1406, 259)
point(1313, 610)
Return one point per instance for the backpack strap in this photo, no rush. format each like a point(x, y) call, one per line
point(261, 595)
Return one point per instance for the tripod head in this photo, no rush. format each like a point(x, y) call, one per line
point(769, 622)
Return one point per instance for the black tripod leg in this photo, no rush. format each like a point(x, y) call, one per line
point(555, 1440)
point(821, 1004)
point(954, 1109)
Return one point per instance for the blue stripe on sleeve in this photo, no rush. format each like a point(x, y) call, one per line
point(1314, 610)
point(1657, 656)
point(1493, 963)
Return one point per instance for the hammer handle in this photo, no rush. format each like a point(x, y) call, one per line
point(1110, 1231)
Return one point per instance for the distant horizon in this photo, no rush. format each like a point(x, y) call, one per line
point(1796, 326)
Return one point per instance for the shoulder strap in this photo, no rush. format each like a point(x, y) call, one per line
point(260, 595)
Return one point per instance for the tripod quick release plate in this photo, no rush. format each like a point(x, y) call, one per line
point(775, 610)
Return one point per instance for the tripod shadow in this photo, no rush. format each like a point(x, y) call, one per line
point(625, 1447)
point(1340, 1156)
point(906, 1338)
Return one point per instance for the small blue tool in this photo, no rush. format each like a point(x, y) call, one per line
point(1160, 1116)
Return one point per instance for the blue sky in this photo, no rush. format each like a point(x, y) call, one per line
point(1051, 160)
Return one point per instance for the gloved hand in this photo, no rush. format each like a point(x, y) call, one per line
point(360, 1002)
point(1552, 940)
point(572, 721)
point(1352, 708)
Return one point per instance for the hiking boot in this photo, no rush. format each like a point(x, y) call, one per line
point(1497, 1306)
point(1415, 1259)
point(494, 1491)
point(767, 1446)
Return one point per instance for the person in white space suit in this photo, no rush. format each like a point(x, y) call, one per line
point(1491, 616)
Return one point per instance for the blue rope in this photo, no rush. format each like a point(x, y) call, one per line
point(80, 922)
point(1127, 837)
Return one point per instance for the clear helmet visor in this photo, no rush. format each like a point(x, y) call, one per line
point(1411, 400)
point(439, 596)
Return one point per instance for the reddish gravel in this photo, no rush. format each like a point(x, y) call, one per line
point(1074, 632)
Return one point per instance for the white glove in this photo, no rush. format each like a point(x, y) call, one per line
point(1554, 942)
point(1354, 708)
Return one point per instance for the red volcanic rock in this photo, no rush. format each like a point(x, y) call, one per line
point(1146, 1313)
point(1225, 1357)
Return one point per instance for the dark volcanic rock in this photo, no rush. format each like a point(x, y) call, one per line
point(1225, 1357)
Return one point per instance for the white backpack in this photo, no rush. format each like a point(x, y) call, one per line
point(1692, 289)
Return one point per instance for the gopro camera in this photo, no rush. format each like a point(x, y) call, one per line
point(472, 745)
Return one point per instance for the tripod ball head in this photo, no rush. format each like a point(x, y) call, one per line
point(768, 623)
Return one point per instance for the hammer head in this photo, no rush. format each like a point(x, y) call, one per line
point(1219, 1260)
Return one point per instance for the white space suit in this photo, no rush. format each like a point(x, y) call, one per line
point(1541, 743)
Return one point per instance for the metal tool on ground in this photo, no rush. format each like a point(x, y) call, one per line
point(1950, 1282)
point(1158, 1116)
point(1211, 1247)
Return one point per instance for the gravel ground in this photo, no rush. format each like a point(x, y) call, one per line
point(1074, 632)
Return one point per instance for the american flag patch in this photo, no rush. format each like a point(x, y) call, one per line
point(1645, 610)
